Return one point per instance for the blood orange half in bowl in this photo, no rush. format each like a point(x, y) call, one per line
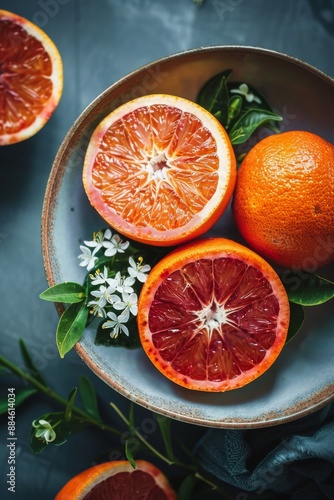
point(302, 378)
point(213, 315)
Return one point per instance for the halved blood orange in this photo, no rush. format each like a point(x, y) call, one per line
point(160, 169)
point(31, 78)
point(213, 315)
point(118, 480)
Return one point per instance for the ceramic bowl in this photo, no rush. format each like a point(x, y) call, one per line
point(302, 379)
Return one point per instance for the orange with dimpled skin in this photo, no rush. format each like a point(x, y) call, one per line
point(284, 200)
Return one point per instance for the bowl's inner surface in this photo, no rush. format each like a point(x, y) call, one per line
point(302, 379)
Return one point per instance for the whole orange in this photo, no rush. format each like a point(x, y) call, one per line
point(284, 200)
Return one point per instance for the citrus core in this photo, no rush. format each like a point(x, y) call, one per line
point(160, 169)
point(284, 200)
point(213, 315)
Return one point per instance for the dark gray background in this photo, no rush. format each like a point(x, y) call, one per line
point(101, 41)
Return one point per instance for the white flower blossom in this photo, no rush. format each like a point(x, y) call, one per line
point(244, 91)
point(115, 245)
point(96, 309)
point(44, 430)
point(116, 292)
point(137, 270)
point(87, 258)
point(128, 304)
point(105, 295)
point(98, 239)
point(117, 324)
point(122, 283)
point(100, 278)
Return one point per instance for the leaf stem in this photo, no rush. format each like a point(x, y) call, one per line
point(56, 397)
point(140, 437)
point(165, 459)
point(97, 423)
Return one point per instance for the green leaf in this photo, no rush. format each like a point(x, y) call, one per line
point(307, 289)
point(262, 105)
point(234, 108)
point(297, 317)
point(88, 396)
point(186, 489)
point(71, 326)
point(63, 429)
point(36, 445)
point(226, 101)
point(68, 293)
point(69, 427)
point(246, 125)
point(70, 404)
point(128, 453)
point(30, 364)
point(214, 96)
point(20, 396)
point(164, 424)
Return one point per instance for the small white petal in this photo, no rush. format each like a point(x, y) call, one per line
point(44, 423)
point(124, 317)
point(132, 263)
point(119, 306)
point(125, 330)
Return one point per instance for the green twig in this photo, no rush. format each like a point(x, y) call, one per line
point(141, 438)
point(165, 459)
point(56, 397)
point(97, 423)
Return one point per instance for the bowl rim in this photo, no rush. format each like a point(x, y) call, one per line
point(56, 175)
point(56, 170)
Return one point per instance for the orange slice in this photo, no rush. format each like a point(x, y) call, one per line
point(118, 480)
point(160, 169)
point(213, 315)
point(31, 78)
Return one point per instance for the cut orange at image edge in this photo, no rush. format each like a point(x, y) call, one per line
point(31, 78)
point(118, 479)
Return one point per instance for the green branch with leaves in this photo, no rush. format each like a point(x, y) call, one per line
point(239, 107)
point(109, 294)
point(55, 428)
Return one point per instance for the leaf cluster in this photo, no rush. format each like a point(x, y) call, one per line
point(239, 116)
point(304, 290)
point(71, 418)
point(77, 314)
